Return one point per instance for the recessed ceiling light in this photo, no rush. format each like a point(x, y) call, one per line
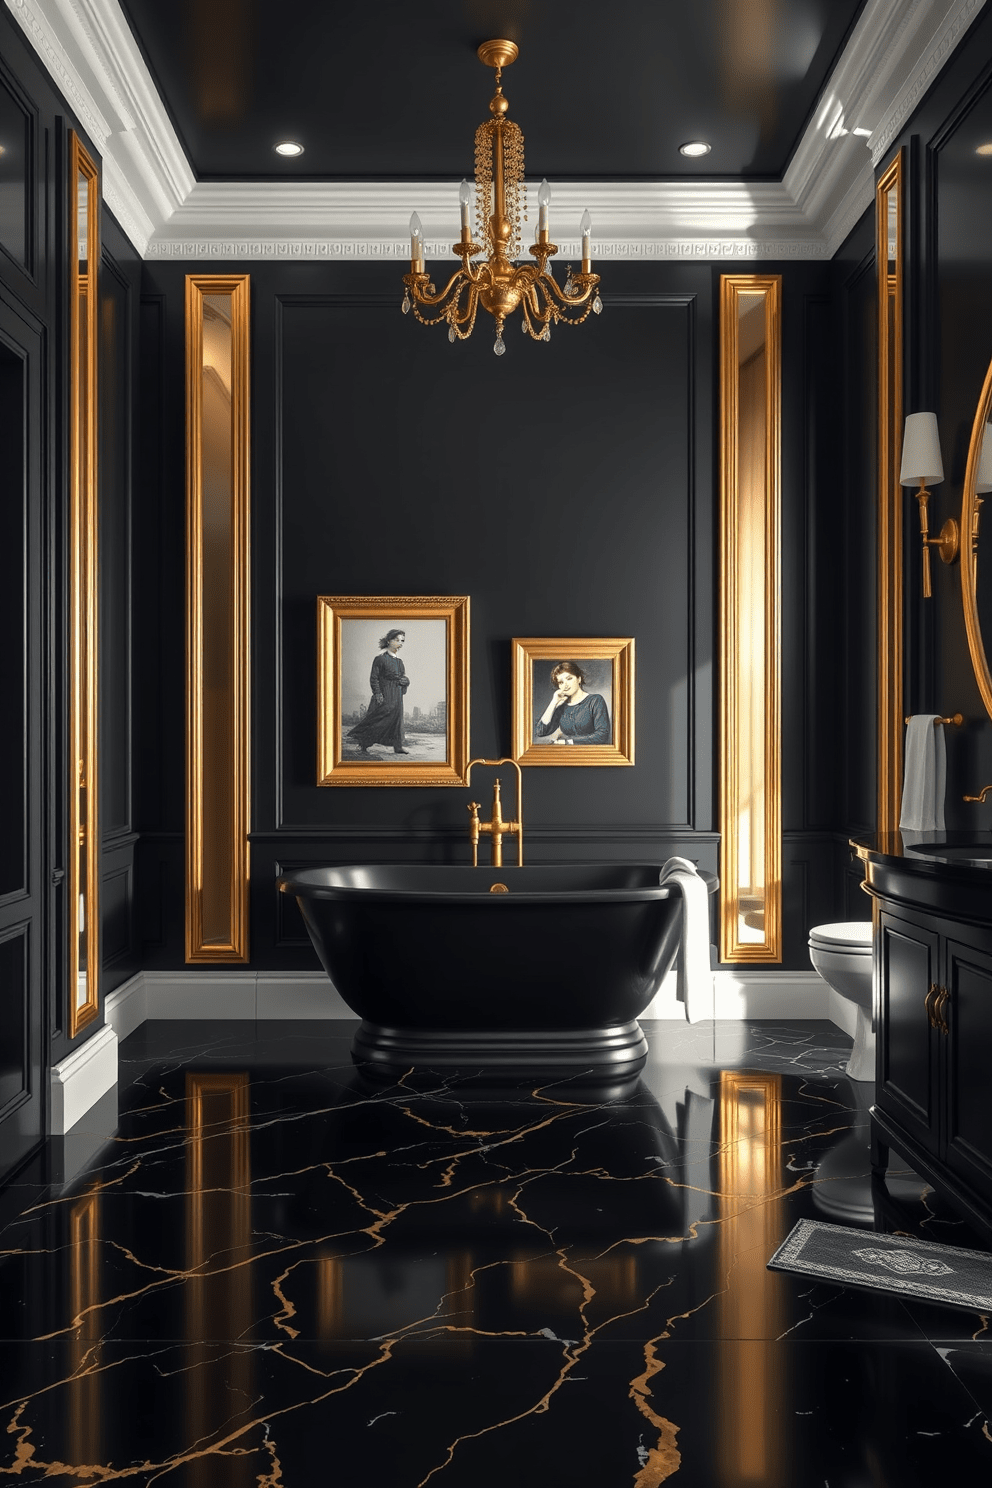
point(695, 147)
point(984, 149)
point(288, 147)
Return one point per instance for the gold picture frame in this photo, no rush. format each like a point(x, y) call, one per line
point(366, 703)
point(606, 665)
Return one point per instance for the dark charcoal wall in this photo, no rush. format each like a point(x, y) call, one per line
point(948, 349)
point(568, 489)
point(34, 123)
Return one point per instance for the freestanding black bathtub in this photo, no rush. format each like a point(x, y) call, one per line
point(528, 972)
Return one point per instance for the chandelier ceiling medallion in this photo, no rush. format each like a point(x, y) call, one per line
point(498, 283)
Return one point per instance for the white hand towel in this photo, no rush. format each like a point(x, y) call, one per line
point(923, 775)
point(692, 962)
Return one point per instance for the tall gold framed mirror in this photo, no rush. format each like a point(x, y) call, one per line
point(83, 818)
point(217, 619)
point(750, 618)
point(976, 576)
point(889, 213)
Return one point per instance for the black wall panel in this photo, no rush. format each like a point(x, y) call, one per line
point(17, 197)
point(568, 489)
point(23, 1092)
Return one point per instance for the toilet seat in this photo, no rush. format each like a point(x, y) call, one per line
point(852, 937)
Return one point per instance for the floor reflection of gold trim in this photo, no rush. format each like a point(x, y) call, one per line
point(329, 1294)
point(219, 1302)
point(749, 1374)
point(85, 1403)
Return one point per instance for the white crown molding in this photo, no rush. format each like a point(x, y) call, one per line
point(944, 37)
point(88, 48)
point(895, 52)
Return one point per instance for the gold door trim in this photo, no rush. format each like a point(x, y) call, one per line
point(83, 877)
point(889, 639)
point(217, 656)
point(761, 521)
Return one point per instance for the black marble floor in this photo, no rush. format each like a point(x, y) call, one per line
point(274, 1276)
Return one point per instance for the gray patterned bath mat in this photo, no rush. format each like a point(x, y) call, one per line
point(888, 1263)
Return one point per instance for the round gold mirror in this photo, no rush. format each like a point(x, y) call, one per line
point(976, 584)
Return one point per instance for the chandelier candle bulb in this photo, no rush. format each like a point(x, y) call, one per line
point(464, 200)
point(585, 227)
point(416, 245)
point(543, 202)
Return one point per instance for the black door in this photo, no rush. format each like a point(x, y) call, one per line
point(908, 1064)
point(968, 1129)
point(23, 1099)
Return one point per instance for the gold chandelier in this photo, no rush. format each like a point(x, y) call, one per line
point(498, 284)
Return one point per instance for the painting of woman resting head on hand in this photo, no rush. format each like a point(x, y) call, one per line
point(573, 715)
point(573, 701)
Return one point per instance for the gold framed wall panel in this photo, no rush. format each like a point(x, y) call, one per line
point(750, 618)
point(217, 617)
point(889, 213)
point(83, 926)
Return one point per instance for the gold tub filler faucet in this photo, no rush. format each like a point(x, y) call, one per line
point(496, 828)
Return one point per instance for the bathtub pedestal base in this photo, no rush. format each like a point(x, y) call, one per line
point(609, 1056)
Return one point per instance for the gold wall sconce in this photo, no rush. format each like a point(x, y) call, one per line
point(921, 463)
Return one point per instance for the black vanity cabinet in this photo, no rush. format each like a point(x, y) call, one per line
point(933, 1023)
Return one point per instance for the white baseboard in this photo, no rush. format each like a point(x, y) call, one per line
point(252, 995)
point(82, 1079)
point(796, 995)
point(91, 1070)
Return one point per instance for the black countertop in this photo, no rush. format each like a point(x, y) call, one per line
point(945, 872)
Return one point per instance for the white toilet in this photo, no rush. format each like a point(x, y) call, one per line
point(842, 955)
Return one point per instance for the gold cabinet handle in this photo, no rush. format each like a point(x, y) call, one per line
point(930, 1002)
point(940, 1010)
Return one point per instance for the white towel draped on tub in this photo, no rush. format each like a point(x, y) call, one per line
point(692, 963)
point(923, 775)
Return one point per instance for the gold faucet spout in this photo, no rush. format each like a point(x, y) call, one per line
point(496, 828)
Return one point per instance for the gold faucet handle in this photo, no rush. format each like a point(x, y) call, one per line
point(979, 798)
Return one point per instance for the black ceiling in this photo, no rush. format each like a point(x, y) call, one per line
point(383, 90)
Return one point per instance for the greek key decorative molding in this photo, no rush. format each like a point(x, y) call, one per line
point(237, 249)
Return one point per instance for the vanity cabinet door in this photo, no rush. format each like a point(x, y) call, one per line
point(907, 1058)
point(968, 1045)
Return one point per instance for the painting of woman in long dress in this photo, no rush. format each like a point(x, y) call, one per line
point(383, 723)
point(393, 711)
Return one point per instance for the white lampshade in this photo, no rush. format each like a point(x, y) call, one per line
point(921, 451)
point(984, 481)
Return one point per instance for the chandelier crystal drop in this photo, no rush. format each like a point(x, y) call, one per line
point(498, 283)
